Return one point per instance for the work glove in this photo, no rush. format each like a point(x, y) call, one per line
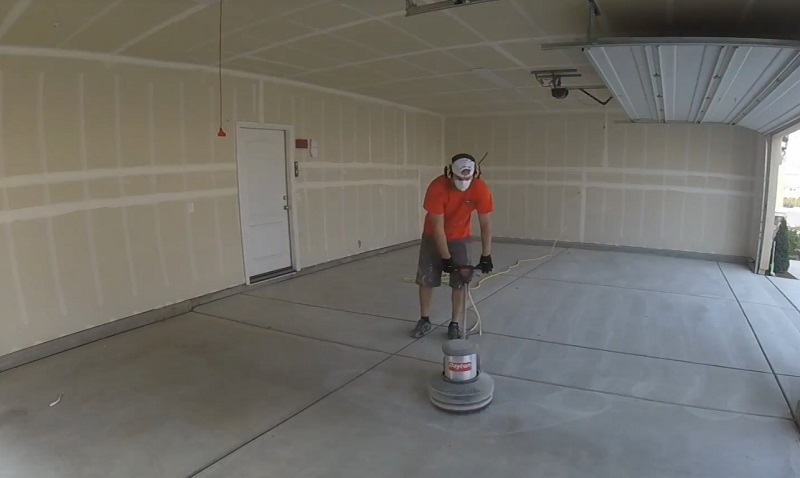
point(485, 265)
point(447, 266)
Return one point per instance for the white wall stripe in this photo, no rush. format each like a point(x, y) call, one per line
point(621, 186)
point(98, 286)
point(187, 168)
point(108, 8)
point(347, 248)
point(170, 21)
point(261, 102)
point(187, 216)
point(547, 169)
point(255, 99)
point(20, 293)
point(54, 178)
point(355, 183)
point(623, 170)
point(113, 59)
point(325, 233)
point(603, 217)
point(212, 138)
point(235, 102)
point(10, 243)
point(13, 15)
point(120, 161)
point(54, 210)
point(625, 180)
point(51, 239)
point(151, 136)
point(605, 137)
point(582, 230)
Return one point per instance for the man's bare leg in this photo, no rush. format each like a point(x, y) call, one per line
point(424, 325)
point(425, 298)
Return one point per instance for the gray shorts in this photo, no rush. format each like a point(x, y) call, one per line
point(429, 267)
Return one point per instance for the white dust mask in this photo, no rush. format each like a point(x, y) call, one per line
point(462, 173)
point(462, 184)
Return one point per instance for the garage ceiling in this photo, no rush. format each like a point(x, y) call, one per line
point(370, 47)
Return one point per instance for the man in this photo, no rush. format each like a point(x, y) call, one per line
point(449, 202)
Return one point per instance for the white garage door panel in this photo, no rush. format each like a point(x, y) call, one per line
point(261, 157)
point(782, 106)
point(731, 81)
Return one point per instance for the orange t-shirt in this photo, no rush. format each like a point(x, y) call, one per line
point(457, 206)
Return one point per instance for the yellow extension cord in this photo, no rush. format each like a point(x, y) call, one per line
point(470, 289)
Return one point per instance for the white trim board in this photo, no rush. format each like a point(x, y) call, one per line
point(6, 50)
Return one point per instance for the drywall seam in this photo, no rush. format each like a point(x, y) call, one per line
point(547, 166)
point(687, 155)
point(120, 161)
point(234, 102)
point(354, 183)
point(342, 189)
point(51, 237)
point(187, 218)
point(261, 101)
point(212, 139)
point(127, 60)
point(620, 186)
point(170, 21)
point(605, 137)
point(255, 99)
point(623, 170)
point(120, 173)
point(13, 15)
point(356, 166)
point(151, 140)
point(54, 210)
point(582, 233)
point(12, 250)
point(514, 112)
point(324, 198)
point(98, 286)
point(317, 32)
point(90, 21)
point(625, 179)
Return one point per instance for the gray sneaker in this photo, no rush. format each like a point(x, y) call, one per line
point(452, 331)
point(423, 327)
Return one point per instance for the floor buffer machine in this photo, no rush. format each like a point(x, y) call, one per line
point(461, 387)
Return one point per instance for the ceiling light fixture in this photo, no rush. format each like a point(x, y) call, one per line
point(412, 8)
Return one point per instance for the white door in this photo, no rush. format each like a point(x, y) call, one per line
point(261, 157)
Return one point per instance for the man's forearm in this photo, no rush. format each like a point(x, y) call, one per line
point(441, 243)
point(486, 239)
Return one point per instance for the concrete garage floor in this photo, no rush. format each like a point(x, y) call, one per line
point(606, 364)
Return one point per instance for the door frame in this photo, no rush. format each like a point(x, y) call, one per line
point(288, 131)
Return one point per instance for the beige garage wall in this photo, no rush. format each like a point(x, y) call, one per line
point(99, 162)
point(589, 178)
